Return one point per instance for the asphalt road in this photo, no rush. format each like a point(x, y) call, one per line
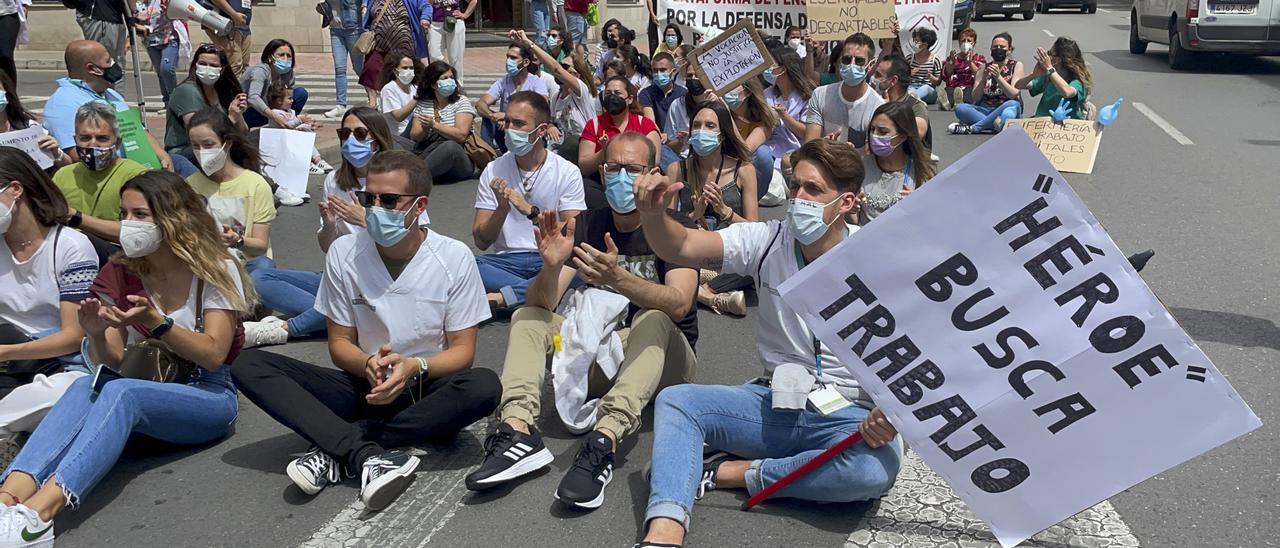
point(1207, 208)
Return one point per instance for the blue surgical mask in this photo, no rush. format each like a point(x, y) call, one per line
point(282, 66)
point(4, 99)
point(356, 152)
point(619, 190)
point(553, 43)
point(386, 226)
point(663, 79)
point(703, 141)
point(518, 142)
point(769, 78)
point(732, 100)
point(671, 41)
point(513, 67)
point(447, 86)
point(805, 219)
point(852, 75)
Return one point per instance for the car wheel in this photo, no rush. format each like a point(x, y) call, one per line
point(1179, 58)
point(1093, 8)
point(1029, 15)
point(1008, 16)
point(1137, 45)
point(1084, 9)
point(1041, 8)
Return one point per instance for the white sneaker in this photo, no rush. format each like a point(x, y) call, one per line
point(316, 170)
point(335, 111)
point(271, 330)
point(324, 165)
point(21, 527)
point(314, 470)
point(384, 477)
point(288, 198)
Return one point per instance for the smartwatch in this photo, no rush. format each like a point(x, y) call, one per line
point(74, 220)
point(533, 213)
point(165, 325)
point(1051, 71)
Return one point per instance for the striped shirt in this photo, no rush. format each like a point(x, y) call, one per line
point(921, 71)
point(449, 114)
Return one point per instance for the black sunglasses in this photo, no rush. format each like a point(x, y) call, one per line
point(360, 132)
point(386, 200)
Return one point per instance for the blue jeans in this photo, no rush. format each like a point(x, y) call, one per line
point(670, 157)
point(164, 60)
point(577, 24)
point(740, 420)
point(981, 117)
point(183, 166)
point(509, 273)
point(495, 137)
point(253, 118)
point(343, 42)
point(763, 162)
point(924, 92)
point(540, 12)
point(83, 435)
point(292, 292)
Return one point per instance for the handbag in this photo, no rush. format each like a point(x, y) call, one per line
point(364, 44)
point(479, 151)
point(154, 360)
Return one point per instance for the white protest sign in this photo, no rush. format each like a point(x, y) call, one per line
point(1013, 346)
point(770, 17)
point(286, 155)
point(27, 140)
point(932, 14)
point(728, 60)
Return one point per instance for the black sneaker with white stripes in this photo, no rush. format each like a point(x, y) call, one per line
point(710, 467)
point(592, 471)
point(384, 476)
point(314, 471)
point(509, 454)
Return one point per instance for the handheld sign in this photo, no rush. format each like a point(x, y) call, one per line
point(133, 137)
point(935, 15)
point(837, 19)
point(27, 140)
point(1013, 345)
point(735, 56)
point(286, 155)
point(1071, 146)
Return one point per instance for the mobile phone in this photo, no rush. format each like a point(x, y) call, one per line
point(103, 375)
point(104, 298)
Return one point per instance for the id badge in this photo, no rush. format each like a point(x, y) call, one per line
point(827, 400)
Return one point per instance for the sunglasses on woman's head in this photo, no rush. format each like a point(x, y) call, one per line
point(385, 200)
point(361, 133)
point(208, 48)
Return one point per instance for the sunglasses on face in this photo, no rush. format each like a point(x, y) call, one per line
point(385, 200)
point(360, 133)
point(848, 60)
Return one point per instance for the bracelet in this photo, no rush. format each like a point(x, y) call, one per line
point(422, 367)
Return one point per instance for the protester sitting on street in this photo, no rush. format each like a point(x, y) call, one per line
point(209, 83)
point(755, 120)
point(559, 46)
point(513, 189)
point(239, 198)
point(635, 66)
point(677, 128)
point(959, 70)
point(672, 39)
point(572, 104)
point(277, 65)
point(892, 73)
point(621, 113)
point(493, 106)
point(841, 110)
point(682, 55)
point(926, 68)
point(91, 74)
point(280, 99)
point(788, 93)
point(45, 270)
point(756, 427)
point(719, 190)
point(443, 119)
point(612, 36)
point(398, 95)
point(92, 185)
point(657, 99)
point(992, 90)
point(173, 269)
point(13, 117)
point(398, 383)
point(1061, 78)
point(898, 162)
point(654, 342)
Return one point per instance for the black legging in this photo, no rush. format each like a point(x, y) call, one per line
point(9, 25)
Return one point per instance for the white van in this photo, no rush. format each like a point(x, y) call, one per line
point(1190, 26)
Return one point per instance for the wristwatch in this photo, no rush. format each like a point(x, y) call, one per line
point(239, 243)
point(1051, 71)
point(74, 220)
point(165, 325)
point(533, 213)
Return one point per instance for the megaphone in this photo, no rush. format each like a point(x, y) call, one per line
point(190, 10)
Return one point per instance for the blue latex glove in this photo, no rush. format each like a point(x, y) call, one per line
point(1009, 113)
point(1059, 114)
point(1108, 114)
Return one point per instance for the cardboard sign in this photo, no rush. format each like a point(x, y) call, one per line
point(1012, 344)
point(27, 140)
point(837, 19)
point(932, 14)
point(1071, 146)
point(771, 18)
point(286, 157)
point(733, 57)
point(133, 137)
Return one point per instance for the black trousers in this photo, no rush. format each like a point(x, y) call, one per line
point(328, 408)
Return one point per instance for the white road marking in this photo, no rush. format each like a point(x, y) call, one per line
point(1104, 10)
point(1163, 124)
point(1046, 31)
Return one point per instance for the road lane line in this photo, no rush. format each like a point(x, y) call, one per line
point(1046, 31)
point(1104, 10)
point(1163, 124)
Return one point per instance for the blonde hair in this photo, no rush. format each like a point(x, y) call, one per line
point(758, 110)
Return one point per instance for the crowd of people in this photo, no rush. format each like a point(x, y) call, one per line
point(616, 198)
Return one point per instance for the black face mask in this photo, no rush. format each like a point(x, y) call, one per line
point(112, 74)
point(695, 87)
point(999, 55)
point(610, 43)
point(613, 104)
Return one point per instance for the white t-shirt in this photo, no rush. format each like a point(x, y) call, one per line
point(828, 107)
point(439, 291)
point(33, 290)
point(549, 80)
point(393, 98)
point(783, 141)
point(343, 228)
point(782, 336)
point(556, 186)
point(214, 299)
point(572, 112)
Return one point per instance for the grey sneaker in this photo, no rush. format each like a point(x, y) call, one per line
point(314, 471)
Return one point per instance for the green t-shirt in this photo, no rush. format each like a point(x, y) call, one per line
point(97, 193)
point(183, 100)
point(1052, 97)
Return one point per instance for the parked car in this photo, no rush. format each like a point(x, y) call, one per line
point(1191, 26)
point(962, 18)
point(1085, 6)
point(1007, 8)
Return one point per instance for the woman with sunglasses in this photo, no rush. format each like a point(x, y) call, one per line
point(209, 84)
point(292, 293)
point(573, 105)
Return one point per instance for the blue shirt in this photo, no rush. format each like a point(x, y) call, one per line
point(654, 98)
point(60, 109)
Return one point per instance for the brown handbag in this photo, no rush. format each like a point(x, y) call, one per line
point(477, 150)
point(154, 360)
point(365, 42)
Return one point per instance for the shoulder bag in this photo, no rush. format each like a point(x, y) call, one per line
point(153, 359)
point(364, 44)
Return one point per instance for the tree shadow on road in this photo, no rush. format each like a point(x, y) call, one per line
point(1228, 328)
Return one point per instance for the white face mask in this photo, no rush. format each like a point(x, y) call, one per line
point(139, 239)
point(208, 75)
point(6, 217)
point(212, 159)
point(404, 76)
point(966, 47)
